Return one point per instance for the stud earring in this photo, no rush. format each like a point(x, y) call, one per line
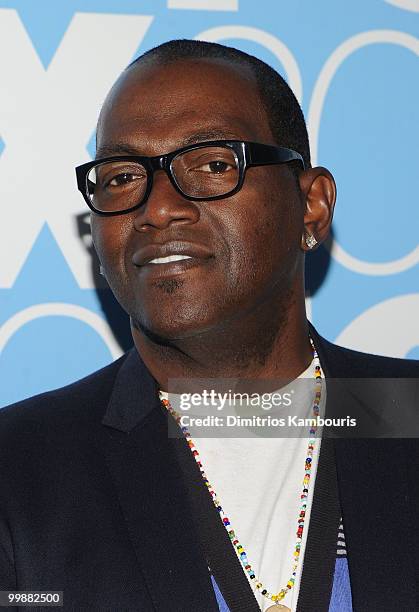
point(101, 270)
point(311, 241)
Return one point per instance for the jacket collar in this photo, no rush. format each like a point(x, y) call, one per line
point(134, 395)
point(135, 391)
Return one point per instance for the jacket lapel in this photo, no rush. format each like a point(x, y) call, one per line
point(373, 490)
point(152, 495)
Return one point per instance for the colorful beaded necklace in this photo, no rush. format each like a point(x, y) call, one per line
point(241, 553)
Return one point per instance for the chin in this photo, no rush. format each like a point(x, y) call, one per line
point(164, 330)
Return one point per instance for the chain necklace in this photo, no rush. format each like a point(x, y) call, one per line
point(241, 553)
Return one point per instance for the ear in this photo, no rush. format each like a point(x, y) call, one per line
point(319, 192)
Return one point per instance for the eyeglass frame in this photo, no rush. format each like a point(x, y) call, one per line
point(248, 154)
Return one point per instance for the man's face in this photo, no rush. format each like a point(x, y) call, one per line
point(247, 245)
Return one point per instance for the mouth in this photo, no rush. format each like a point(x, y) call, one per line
point(170, 259)
point(160, 268)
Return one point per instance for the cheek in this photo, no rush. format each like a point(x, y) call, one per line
point(110, 235)
point(265, 231)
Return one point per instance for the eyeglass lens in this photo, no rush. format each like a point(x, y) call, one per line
point(206, 172)
point(115, 185)
point(201, 172)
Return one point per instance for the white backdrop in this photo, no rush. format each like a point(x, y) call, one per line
point(354, 68)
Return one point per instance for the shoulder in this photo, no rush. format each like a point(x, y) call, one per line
point(52, 441)
point(83, 400)
point(343, 362)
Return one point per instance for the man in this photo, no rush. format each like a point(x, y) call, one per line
point(203, 207)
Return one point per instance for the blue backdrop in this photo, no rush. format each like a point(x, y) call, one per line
point(354, 68)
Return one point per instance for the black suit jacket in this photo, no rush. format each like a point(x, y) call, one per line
point(97, 502)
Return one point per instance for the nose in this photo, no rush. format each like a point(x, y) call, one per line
point(165, 206)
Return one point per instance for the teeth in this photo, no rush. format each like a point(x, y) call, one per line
point(169, 258)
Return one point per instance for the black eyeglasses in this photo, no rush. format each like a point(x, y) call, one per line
point(204, 171)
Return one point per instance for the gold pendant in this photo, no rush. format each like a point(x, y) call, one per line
point(276, 607)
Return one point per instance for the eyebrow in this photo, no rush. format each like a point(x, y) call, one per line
point(123, 148)
point(210, 135)
point(117, 148)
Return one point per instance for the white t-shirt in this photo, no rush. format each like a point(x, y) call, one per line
point(258, 482)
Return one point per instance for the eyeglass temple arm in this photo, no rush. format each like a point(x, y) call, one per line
point(261, 155)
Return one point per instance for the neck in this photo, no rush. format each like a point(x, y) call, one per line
point(270, 342)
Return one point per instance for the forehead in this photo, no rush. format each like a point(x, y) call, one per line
point(155, 107)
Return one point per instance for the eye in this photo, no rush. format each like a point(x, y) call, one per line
point(123, 179)
point(205, 163)
point(217, 167)
point(118, 178)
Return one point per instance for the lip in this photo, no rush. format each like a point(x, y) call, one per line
point(142, 257)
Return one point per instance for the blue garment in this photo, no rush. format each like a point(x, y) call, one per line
point(341, 599)
point(220, 599)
